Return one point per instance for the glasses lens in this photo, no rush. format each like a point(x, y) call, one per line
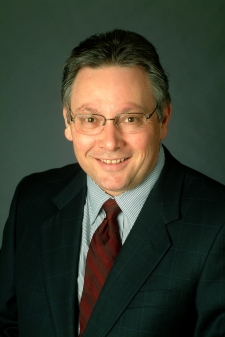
point(89, 124)
point(131, 123)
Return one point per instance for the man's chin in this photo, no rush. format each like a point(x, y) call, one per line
point(113, 190)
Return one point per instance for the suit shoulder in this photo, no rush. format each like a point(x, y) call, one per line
point(205, 186)
point(194, 181)
point(195, 185)
point(60, 174)
point(53, 180)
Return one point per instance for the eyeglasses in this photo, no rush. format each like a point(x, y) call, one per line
point(93, 124)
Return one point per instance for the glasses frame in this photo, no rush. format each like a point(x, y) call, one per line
point(72, 119)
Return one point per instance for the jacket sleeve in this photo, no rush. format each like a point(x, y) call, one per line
point(210, 296)
point(8, 303)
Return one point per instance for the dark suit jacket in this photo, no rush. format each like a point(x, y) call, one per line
point(169, 279)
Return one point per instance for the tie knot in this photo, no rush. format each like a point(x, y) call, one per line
point(111, 209)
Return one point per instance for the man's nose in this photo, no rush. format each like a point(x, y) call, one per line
point(111, 137)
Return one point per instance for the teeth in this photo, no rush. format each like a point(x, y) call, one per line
point(113, 161)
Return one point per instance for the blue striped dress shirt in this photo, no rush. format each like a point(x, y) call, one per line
point(130, 203)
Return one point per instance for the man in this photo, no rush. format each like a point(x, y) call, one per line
point(162, 272)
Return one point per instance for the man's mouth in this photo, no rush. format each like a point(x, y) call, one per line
point(112, 161)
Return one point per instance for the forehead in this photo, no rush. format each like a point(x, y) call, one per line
point(111, 85)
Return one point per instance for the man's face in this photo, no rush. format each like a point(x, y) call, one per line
point(116, 161)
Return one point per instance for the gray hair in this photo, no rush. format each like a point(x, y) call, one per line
point(117, 48)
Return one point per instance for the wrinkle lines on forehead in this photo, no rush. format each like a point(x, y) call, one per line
point(103, 89)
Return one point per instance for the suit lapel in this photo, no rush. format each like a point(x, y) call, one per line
point(144, 248)
point(61, 236)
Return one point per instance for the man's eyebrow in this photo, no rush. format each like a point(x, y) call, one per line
point(86, 108)
point(134, 107)
point(130, 107)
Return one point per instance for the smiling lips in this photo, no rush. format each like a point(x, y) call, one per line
point(113, 161)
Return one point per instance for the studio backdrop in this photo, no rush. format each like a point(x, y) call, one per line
point(38, 36)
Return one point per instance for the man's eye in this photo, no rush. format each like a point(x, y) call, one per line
point(90, 119)
point(132, 119)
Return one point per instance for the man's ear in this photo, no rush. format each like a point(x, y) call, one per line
point(68, 132)
point(165, 121)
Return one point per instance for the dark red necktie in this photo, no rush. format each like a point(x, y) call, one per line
point(103, 250)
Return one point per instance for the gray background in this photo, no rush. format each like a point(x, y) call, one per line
point(36, 37)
